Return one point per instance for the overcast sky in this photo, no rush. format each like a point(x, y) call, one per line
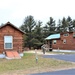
point(16, 10)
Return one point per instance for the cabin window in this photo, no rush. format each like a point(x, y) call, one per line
point(54, 41)
point(8, 42)
point(64, 41)
point(74, 35)
point(67, 34)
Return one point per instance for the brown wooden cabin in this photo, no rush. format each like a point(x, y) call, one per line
point(11, 38)
point(63, 41)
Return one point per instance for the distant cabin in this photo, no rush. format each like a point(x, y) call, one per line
point(64, 41)
point(11, 38)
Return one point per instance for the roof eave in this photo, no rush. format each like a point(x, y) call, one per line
point(8, 23)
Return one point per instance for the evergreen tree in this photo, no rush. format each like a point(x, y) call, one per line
point(73, 23)
point(64, 26)
point(45, 31)
point(28, 27)
point(38, 33)
point(59, 26)
point(51, 26)
point(28, 24)
point(69, 24)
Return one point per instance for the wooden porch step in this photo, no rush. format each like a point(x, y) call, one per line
point(12, 55)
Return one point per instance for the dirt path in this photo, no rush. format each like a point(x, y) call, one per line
point(39, 52)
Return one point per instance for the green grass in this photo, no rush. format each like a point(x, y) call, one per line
point(28, 63)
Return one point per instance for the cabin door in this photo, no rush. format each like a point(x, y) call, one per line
point(50, 45)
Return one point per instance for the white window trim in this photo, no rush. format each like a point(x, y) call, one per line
point(66, 33)
point(54, 43)
point(12, 44)
point(73, 34)
point(64, 42)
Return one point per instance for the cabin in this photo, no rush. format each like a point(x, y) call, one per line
point(11, 38)
point(63, 41)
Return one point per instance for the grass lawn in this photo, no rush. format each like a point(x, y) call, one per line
point(28, 65)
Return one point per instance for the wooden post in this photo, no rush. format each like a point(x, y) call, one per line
point(36, 57)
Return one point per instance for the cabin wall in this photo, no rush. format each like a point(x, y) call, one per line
point(8, 30)
point(69, 45)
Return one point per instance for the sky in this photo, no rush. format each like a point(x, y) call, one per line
point(15, 11)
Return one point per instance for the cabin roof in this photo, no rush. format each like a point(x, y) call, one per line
point(53, 36)
point(10, 24)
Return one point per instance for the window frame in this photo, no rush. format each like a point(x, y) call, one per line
point(54, 42)
point(7, 42)
point(64, 41)
point(66, 34)
point(73, 34)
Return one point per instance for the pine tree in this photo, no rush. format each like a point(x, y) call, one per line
point(64, 26)
point(28, 27)
point(59, 26)
point(69, 24)
point(51, 26)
